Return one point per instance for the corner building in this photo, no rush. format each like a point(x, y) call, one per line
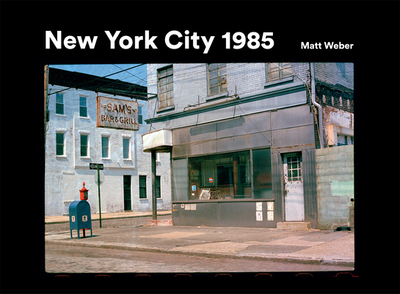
point(242, 140)
point(74, 139)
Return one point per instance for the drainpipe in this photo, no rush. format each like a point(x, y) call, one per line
point(321, 130)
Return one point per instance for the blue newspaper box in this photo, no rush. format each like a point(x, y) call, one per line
point(79, 217)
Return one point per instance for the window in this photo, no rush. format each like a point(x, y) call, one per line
point(158, 186)
point(165, 87)
point(262, 175)
point(104, 147)
point(278, 70)
point(127, 192)
point(140, 113)
point(59, 143)
point(82, 107)
point(217, 80)
point(224, 176)
point(142, 187)
point(294, 168)
point(59, 103)
point(125, 146)
point(84, 145)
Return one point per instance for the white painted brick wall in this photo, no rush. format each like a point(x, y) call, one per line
point(64, 175)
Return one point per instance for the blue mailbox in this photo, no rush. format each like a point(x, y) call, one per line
point(79, 217)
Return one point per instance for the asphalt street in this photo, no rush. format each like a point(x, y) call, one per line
point(76, 259)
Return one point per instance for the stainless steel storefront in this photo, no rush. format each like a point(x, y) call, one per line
point(244, 171)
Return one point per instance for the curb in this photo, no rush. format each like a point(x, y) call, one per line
point(107, 245)
point(108, 218)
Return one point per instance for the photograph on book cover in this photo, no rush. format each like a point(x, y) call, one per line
point(211, 167)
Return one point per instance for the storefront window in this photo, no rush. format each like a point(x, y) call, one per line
point(225, 176)
point(262, 174)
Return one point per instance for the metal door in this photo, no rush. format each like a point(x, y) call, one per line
point(127, 193)
point(294, 196)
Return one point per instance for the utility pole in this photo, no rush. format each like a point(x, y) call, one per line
point(98, 190)
point(153, 184)
point(46, 85)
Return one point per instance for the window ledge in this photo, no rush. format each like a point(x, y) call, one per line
point(159, 110)
point(217, 96)
point(60, 115)
point(279, 82)
point(85, 117)
point(61, 156)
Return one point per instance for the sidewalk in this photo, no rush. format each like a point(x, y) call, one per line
point(313, 246)
point(95, 216)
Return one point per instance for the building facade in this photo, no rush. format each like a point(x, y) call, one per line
point(334, 84)
point(74, 139)
point(242, 140)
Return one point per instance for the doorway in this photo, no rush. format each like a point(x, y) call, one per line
point(127, 193)
point(294, 195)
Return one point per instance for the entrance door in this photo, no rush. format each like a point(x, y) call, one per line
point(294, 196)
point(127, 193)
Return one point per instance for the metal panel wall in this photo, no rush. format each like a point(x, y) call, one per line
point(180, 180)
point(277, 184)
point(310, 188)
point(290, 127)
point(221, 214)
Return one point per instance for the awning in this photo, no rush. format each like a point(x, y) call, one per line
point(159, 140)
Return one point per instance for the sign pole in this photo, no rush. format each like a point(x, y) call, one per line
point(98, 189)
point(153, 184)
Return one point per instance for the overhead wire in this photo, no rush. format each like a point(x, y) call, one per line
point(81, 84)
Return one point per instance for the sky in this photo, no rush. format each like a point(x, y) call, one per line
point(136, 75)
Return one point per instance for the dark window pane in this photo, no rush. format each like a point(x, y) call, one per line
point(83, 111)
point(60, 150)
point(142, 187)
point(59, 138)
point(59, 98)
point(158, 187)
point(262, 178)
point(60, 108)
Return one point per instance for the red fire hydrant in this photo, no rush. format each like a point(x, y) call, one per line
point(84, 192)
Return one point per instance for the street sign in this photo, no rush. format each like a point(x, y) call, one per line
point(95, 165)
point(98, 166)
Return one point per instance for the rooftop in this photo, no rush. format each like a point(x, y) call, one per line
point(97, 84)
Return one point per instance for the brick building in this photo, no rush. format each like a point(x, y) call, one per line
point(242, 138)
point(335, 93)
point(74, 139)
